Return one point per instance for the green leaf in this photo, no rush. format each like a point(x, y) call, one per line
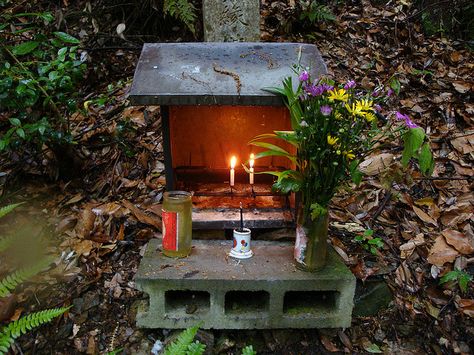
point(273, 150)
point(450, 276)
point(21, 133)
point(195, 348)
point(356, 174)
point(413, 140)
point(317, 210)
point(25, 48)
point(426, 160)
point(374, 349)
point(15, 121)
point(9, 208)
point(395, 85)
point(368, 233)
point(464, 281)
point(66, 37)
point(248, 350)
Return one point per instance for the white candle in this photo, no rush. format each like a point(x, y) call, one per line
point(233, 161)
point(251, 163)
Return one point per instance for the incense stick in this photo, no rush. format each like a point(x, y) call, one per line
point(241, 219)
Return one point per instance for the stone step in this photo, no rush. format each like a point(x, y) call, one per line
point(265, 291)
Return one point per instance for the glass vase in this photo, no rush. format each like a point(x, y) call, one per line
point(177, 223)
point(311, 241)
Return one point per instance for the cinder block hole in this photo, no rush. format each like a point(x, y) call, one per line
point(241, 302)
point(309, 302)
point(187, 302)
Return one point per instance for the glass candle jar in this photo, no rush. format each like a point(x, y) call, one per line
point(177, 223)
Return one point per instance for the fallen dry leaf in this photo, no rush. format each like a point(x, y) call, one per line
point(424, 216)
point(376, 164)
point(328, 344)
point(462, 243)
point(407, 249)
point(141, 216)
point(466, 306)
point(462, 86)
point(464, 144)
point(441, 252)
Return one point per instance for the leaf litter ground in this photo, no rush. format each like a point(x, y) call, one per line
point(102, 221)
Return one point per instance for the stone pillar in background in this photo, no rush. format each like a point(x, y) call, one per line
point(231, 20)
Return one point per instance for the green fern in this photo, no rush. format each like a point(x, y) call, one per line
point(11, 281)
point(14, 329)
point(195, 348)
point(183, 345)
point(316, 12)
point(182, 10)
point(8, 208)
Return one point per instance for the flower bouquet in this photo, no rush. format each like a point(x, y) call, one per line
point(334, 127)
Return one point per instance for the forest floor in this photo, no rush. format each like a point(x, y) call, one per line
point(100, 222)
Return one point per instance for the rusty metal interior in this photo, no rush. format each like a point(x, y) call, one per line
point(202, 164)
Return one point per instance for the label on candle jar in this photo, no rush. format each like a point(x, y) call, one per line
point(170, 230)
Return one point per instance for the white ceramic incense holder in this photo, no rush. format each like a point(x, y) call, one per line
point(241, 246)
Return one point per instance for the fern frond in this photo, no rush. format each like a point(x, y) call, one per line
point(5, 243)
point(11, 281)
point(195, 348)
point(180, 345)
point(23, 325)
point(8, 208)
point(324, 13)
point(182, 10)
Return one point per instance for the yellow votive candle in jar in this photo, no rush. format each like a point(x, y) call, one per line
point(177, 223)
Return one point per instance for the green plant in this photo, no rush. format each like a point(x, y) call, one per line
point(12, 280)
point(248, 350)
point(14, 329)
point(38, 77)
point(369, 242)
point(182, 10)
point(460, 277)
point(313, 12)
point(184, 344)
point(335, 126)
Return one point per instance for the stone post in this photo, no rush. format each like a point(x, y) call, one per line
point(231, 20)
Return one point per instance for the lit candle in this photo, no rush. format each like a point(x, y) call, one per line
point(233, 161)
point(251, 163)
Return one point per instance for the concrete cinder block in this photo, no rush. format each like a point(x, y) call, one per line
point(265, 291)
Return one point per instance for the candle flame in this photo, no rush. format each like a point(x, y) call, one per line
point(233, 162)
point(252, 160)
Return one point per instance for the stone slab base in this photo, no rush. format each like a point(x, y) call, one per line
point(265, 291)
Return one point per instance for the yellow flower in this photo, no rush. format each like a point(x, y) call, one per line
point(354, 109)
point(365, 105)
point(332, 140)
point(349, 155)
point(338, 116)
point(369, 116)
point(340, 95)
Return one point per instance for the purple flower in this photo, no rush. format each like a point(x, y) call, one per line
point(400, 116)
point(304, 76)
point(377, 107)
point(375, 93)
point(390, 92)
point(326, 110)
point(317, 90)
point(350, 85)
point(408, 122)
point(327, 87)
